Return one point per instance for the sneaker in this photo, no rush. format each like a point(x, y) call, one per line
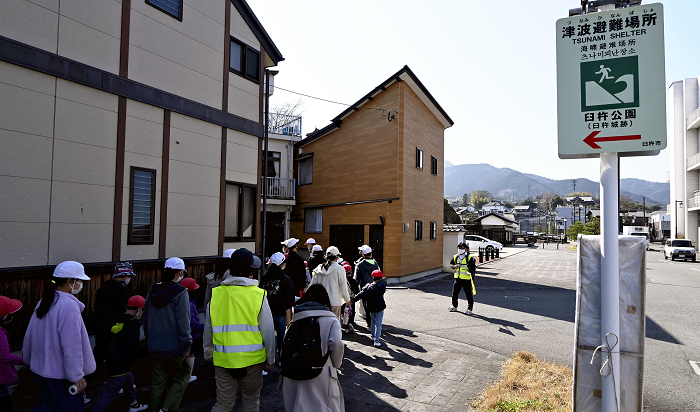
point(264, 373)
point(452, 309)
point(351, 329)
point(469, 312)
point(85, 398)
point(377, 344)
point(193, 378)
point(136, 407)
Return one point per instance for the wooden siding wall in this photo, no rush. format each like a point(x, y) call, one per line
point(422, 194)
point(29, 289)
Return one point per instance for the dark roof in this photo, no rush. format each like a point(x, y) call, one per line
point(405, 74)
point(498, 216)
point(247, 13)
point(522, 207)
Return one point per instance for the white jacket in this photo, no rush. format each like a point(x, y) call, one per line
point(333, 279)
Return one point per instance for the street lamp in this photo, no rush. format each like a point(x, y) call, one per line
point(681, 206)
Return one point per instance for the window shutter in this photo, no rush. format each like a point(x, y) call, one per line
point(172, 7)
point(142, 206)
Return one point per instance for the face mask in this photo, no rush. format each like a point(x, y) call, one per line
point(76, 291)
point(128, 279)
point(462, 251)
point(139, 313)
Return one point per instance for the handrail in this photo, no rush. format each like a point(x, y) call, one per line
point(285, 124)
point(693, 160)
point(693, 117)
point(280, 188)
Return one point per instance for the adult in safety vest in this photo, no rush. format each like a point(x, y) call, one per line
point(465, 267)
point(239, 335)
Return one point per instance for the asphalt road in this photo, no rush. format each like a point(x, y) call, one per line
point(527, 301)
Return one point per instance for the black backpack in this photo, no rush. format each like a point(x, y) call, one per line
point(301, 354)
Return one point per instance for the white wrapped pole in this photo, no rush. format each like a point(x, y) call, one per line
point(610, 281)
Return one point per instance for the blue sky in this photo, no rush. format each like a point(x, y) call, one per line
point(491, 65)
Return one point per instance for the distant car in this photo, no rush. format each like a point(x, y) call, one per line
point(679, 249)
point(475, 242)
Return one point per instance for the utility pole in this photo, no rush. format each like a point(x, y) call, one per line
point(264, 182)
point(574, 182)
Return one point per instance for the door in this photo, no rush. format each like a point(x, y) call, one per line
point(376, 242)
point(275, 233)
point(347, 238)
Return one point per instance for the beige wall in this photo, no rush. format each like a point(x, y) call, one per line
point(241, 158)
point(26, 140)
point(143, 147)
point(193, 187)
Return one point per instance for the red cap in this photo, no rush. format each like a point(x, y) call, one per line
point(347, 267)
point(377, 274)
point(8, 306)
point(136, 301)
point(189, 283)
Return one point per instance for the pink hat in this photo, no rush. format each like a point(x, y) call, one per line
point(8, 306)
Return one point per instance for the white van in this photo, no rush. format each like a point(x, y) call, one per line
point(679, 249)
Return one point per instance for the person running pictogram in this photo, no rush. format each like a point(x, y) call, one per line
point(605, 72)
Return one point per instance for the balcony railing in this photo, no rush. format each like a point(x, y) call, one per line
point(279, 188)
point(285, 124)
point(668, 176)
point(692, 120)
point(694, 162)
point(693, 203)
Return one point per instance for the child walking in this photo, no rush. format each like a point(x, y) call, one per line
point(196, 326)
point(373, 294)
point(122, 346)
point(8, 374)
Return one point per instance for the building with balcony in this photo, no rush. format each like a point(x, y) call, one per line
point(683, 127)
point(376, 177)
point(130, 130)
point(660, 222)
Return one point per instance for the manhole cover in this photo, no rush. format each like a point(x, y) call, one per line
point(517, 297)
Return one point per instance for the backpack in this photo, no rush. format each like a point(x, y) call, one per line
point(301, 354)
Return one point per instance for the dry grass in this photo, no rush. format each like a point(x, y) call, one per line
point(528, 384)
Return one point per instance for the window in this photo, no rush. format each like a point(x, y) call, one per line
point(419, 158)
point(313, 220)
point(240, 212)
point(171, 7)
point(433, 230)
point(244, 60)
point(433, 165)
point(142, 206)
point(419, 230)
point(273, 164)
point(306, 171)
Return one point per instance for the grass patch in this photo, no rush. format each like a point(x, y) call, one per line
point(528, 384)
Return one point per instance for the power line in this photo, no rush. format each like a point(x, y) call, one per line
point(384, 111)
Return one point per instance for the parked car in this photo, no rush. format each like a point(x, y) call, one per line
point(476, 241)
point(679, 249)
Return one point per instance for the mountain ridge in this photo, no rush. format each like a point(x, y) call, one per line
point(510, 184)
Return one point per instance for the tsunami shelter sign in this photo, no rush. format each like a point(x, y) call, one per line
point(611, 83)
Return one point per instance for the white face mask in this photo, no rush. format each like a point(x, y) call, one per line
point(462, 251)
point(128, 279)
point(76, 291)
point(283, 265)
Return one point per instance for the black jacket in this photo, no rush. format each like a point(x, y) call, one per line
point(318, 258)
point(296, 270)
point(353, 285)
point(280, 291)
point(373, 294)
point(363, 270)
point(110, 301)
point(121, 344)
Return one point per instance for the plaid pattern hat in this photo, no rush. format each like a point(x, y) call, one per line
point(123, 269)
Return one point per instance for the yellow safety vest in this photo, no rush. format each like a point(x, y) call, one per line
point(234, 314)
point(462, 270)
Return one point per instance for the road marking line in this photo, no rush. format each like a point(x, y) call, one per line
point(695, 269)
point(695, 366)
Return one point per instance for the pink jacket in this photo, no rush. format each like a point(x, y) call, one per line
point(7, 359)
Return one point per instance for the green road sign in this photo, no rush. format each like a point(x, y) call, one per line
point(611, 90)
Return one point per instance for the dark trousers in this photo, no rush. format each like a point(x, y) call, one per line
point(460, 284)
point(5, 401)
point(280, 327)
point(115, 384)
point(53, 396)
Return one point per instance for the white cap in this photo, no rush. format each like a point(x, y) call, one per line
point(333, 251)
point(366, 250)
point(310, 241)
point(228, 252)
point(70, 269)
point(317, 248)
point(291, 242)
point(277, 258)
point(175, 263)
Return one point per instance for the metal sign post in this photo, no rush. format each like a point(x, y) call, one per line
point(611, 103)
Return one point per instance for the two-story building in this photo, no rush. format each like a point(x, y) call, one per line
point(130, 130)
point(375, 176)
point(522, 212)
point(660, 222)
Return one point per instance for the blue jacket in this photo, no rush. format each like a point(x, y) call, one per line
point(196, 326)
point(363, 270)
point(373, 294)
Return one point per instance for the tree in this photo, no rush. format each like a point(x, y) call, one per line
point(538, 229)
point(573, 230)
point(282, 112)
point(629, 204)
point(592, 227)
point(479, 198)
point(529, 202)
point(544, 200)
point(465, 200)
point(555, 201)
point(508, 204)
point(552, 228)
point(653, 208)
point(450, 216)
point(579, 194)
